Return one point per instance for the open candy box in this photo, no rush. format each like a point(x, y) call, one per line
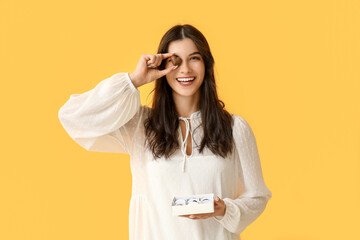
point(193, 204)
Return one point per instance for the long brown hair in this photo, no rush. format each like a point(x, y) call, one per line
point(162, 123)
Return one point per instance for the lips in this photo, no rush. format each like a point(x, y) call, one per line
point(185, 81)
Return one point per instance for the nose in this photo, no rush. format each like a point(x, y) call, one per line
point(184, 67)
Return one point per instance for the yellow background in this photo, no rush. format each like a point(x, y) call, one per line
point(290, 68)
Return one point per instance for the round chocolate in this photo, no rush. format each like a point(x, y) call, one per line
point(193, 200)
point(205, 200)
point(180, 202)
point(176, 60)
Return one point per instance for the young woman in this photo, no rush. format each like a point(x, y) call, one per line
point(185, 144)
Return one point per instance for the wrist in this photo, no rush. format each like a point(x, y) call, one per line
point(223, 211)
point(221, 215)
point(133, 80)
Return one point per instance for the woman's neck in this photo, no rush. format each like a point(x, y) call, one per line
point(186, 105)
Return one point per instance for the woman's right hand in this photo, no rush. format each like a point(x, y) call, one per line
point(143, 74)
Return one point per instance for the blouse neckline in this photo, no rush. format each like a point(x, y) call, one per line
point(188, 132)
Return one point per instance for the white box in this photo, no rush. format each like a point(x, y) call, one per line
point(193, 204)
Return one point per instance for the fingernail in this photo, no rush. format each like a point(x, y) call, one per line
point(175, 67)
point(191, 216)
point(216, 198)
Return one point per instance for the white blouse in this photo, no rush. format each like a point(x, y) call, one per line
point(109, 118)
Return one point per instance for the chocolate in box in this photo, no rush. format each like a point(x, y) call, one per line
point(193, 204)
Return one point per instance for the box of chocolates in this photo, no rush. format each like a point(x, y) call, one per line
point(193, 204)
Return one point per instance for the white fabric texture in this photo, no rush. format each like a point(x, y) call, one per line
point(110, 117)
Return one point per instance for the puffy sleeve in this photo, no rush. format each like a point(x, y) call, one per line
point(247, 207)
point(105, 118)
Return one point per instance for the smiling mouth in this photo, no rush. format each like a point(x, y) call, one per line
point(185, 80)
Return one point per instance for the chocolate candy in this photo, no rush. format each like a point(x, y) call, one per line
point(205, 199)
point(180, 202)
point(176, 60)
point(193, 200)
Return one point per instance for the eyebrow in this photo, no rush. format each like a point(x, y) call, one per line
point(194, 53)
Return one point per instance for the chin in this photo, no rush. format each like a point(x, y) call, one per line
point(184, 93)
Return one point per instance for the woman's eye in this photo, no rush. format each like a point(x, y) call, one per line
point(196, 58)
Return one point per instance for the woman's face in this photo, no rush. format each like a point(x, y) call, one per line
point(192, 66)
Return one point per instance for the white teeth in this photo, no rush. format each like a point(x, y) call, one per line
point(185, 79)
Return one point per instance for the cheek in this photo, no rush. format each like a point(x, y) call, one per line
point(170, 77)
point(169, 81)
point(200, 66)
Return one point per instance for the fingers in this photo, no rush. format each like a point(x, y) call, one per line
point(166, 71)
point(151, 60)
point(166, 55)
point(155, 60)
point(158, 60)
point(198, 216)
point(218, 201)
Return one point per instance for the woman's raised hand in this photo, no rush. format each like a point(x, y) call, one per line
point(146, 70)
